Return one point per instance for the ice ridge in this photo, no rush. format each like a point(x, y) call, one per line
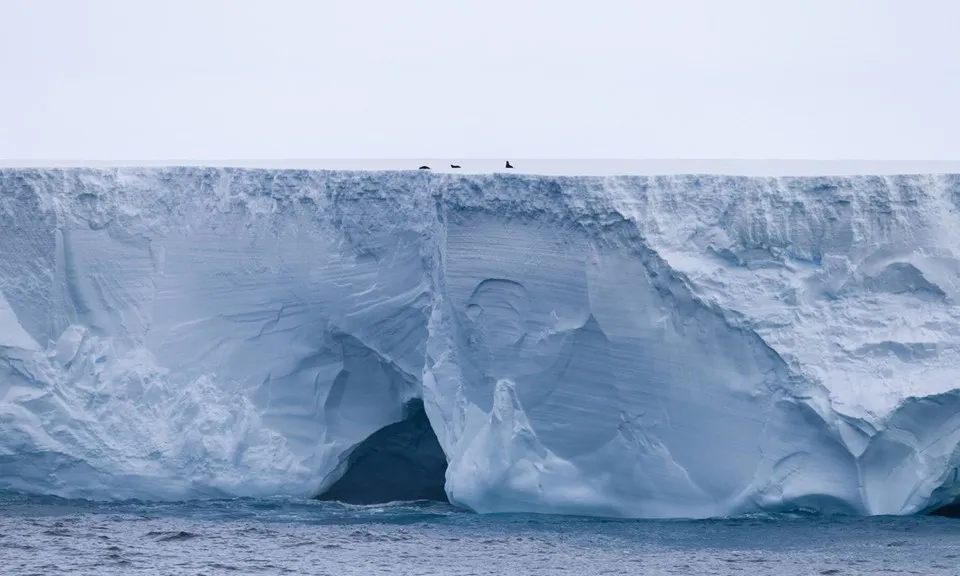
point(636, 346)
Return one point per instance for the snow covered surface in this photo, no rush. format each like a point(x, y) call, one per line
point(628, 346)
point(541, 166)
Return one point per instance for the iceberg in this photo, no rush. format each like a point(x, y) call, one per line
point(624, 346)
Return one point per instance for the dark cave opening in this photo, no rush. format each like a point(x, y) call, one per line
point(948, 511)
point(399, 462)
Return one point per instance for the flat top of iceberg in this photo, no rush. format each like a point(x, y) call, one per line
point(557, 167)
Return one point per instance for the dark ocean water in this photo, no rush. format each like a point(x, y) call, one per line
point(284, 536)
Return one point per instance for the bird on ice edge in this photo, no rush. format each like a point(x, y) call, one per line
point(455, 166)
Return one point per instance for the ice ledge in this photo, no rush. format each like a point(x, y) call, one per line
point(537, 166)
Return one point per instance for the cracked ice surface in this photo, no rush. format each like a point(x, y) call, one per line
point(624, 346)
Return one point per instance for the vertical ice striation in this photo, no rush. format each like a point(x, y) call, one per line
point(623, 346)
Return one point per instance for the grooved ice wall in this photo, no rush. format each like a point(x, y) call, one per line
point(624, 346)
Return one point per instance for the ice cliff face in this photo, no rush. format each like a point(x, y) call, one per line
point(625, 346)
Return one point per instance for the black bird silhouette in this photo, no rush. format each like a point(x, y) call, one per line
point(424, 167)
point(454, 165)
point(509, 165)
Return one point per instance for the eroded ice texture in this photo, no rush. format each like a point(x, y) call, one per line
point(625, 346)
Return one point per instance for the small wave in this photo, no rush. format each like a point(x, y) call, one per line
point(176, 536)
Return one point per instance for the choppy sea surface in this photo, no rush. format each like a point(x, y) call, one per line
point(41, 535)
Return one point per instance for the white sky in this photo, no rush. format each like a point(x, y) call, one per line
point(233, 79)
